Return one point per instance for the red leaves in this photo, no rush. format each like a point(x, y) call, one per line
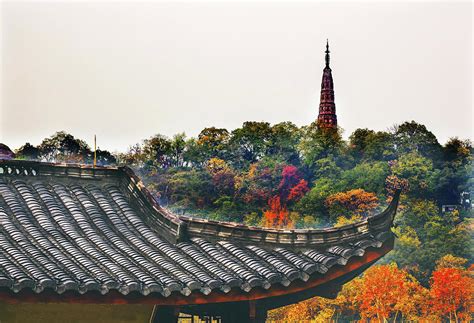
point(298, 191)
point(451, 293)
point(277, 214)
point(291, 188)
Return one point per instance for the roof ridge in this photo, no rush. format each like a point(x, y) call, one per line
point(175, 228)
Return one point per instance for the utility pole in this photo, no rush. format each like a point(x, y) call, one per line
point(95, 151)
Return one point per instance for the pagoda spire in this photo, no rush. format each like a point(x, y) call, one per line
point(327, 52)
point(327, 108)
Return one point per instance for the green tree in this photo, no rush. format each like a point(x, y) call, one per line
point(249, 143)
point(27, 151)
point(319, 143)
point(283, 142)
point(157, 151)
point(213, 142)
point(367, 175)
point(313, 203)
point(419, 172)
point(178, 146)
point(414, 137)
point(370, 145)
point(63, 146)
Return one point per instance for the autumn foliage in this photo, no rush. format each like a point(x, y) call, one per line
point(350, 203)
point(277, 214)
point(291, 188)
point(386, 293)
point(451, 293)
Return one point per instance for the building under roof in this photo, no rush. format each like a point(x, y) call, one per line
point(78, 234)
point(6, 152)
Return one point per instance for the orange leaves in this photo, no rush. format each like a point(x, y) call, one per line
point(451, 293)
point(353, 202)
point(383, 292)
point(277, 214)
point(386, 293)
point(393, 183)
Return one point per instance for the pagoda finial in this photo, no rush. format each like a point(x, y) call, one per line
point(327, 52)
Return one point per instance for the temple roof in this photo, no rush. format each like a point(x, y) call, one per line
point(6, 152)
point(77, 229)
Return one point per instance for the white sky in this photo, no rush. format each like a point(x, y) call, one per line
point(128, 70)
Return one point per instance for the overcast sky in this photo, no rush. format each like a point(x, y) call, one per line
point(128, 70)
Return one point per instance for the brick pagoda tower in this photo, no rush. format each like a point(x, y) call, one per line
point(327, 108)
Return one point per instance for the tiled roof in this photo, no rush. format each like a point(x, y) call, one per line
point(81, 229)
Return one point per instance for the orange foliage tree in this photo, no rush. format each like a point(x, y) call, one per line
point(277, 214)
point(451, 294)
point(350, 203)
point(386, 291)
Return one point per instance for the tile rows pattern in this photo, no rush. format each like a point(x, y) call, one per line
point(89, 238)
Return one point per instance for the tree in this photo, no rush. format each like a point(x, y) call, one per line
point(28, 151)
point(291, 188)
point(425, 236)
point(255, 186)
point(313, 202)
point(458, 152)
point(64, 147)
point(451, 293)
point(178, 145)
point(386, 291)
point(157, 151)
point(290, 177)
point(104, 157)
point(213, 142)
point(370, 145)
point(418, 171)
point(317, 143)
point(249, 143)
point(283, 142)
point(191, 189)
point(327, 167)
point(350, 203)
point(450, 261)
point(367, 175)
point(412, 137)
point(277, 214)
point(223, 176)
point(133, 157)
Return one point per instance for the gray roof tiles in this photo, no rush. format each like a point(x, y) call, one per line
point(89, 235)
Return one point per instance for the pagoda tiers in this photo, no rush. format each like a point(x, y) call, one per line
point(77, 234)
point(327, 118)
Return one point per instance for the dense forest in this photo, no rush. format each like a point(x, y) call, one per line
point(299, 177)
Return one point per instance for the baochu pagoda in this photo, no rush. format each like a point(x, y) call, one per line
point(78, 236)
point(327, 118)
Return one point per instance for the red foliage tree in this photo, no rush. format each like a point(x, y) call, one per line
point(298, 191)
point(290, 189)
point(277, 214)
point(451, 293)
point(290, 178)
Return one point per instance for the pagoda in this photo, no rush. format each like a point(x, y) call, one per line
point(327, 118)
